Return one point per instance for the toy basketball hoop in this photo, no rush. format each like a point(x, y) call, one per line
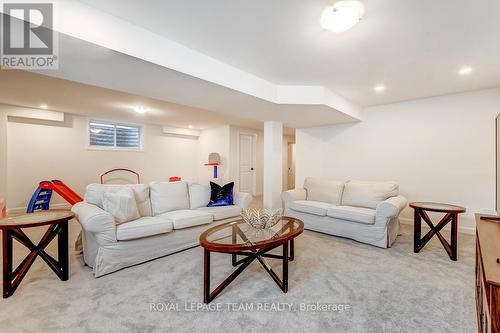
point(213, 160)
point(120, 169)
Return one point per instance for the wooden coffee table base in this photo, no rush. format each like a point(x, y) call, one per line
point(12, 278)
point(250, 256)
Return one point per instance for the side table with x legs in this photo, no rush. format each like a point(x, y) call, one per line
point(451, 215)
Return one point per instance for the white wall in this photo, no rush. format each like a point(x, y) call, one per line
point(37, 151)
point(438, 149)
point(3, 154)
point(214, 140)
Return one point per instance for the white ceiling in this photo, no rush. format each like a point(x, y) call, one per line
point(32, 90)
point(87, 63)
point(413, 47)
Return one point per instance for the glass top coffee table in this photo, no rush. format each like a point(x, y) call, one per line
point(240, 239)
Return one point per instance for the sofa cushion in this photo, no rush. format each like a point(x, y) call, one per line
point(143, 227)
point(199, 195)
point(324, 190)
point(222, 212)
point(167, 197)
point(368, 194)
point(310, 207)
point(121, 204)
point(94, 193)
point(187, 218)
point(355, 214)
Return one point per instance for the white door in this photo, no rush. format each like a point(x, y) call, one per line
point(246, 163)
point(291, 166)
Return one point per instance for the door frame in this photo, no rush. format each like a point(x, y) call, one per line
point(290, 158)
point(254, 159)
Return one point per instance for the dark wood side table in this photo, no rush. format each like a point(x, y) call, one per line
point(12, 228)
point(240, 239)
point(451, 215)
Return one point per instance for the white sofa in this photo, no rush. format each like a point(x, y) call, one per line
point(367, 212)
point(172, 216)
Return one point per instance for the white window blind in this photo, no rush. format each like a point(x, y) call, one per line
point(110, 135)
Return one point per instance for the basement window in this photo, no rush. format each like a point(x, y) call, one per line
point(108, 135)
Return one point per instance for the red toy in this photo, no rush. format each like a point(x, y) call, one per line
point(41, 198)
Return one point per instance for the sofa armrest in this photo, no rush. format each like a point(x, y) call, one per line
point(293, 195)
point(95, 220)
point(242, 199)
point(391, 207)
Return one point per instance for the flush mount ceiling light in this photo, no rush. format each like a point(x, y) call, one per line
point(140, 109)
point(43, 106)
point(466, 70)
point(342, 16)
point(379, 88)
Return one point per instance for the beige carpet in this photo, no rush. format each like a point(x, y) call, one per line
point(391, 290)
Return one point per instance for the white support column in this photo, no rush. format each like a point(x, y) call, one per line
point(3, 154)
point(273, 164)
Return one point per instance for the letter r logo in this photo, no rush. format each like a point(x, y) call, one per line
point(27, 28)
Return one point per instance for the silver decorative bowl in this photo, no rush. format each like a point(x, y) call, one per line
point(262, 218)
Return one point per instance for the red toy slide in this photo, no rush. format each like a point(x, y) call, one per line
point(63, 190)
point(41, 198)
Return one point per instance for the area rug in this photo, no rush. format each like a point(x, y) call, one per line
point(336, 285)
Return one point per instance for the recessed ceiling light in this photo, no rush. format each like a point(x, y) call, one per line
point(466, 70)
point(43, 106)
point(190, 126)
point(379, 88)
point(140, 109)
point(342, 16)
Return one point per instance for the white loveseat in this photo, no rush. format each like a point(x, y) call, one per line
point(367, 212)
point(172, 216)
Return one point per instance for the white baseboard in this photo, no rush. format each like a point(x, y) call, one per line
point(464, 230)
point(21, 210)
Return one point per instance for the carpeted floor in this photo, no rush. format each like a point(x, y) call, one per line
point(391, 290)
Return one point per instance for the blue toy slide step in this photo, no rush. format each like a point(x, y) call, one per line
point(40, 199)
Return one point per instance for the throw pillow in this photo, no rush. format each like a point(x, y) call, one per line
point(121, 204)
point(221, 195)
point(199, 195)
